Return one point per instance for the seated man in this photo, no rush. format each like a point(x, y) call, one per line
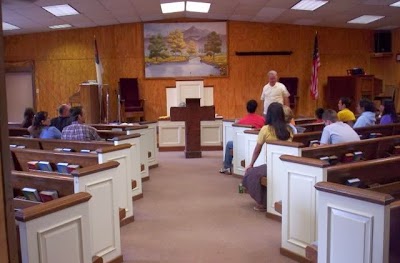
point(345, 115)
point(250, 119)
point(368, 116)
point(78, 131)
point(63, 119)
point(336, 131)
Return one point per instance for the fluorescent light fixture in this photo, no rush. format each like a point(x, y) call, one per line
point(308, 5)
point(365, 19)
point(199, 7)
point(173, 7)
point(61, 10)
point(397, 4)
point(60, 26)
point(7, 26)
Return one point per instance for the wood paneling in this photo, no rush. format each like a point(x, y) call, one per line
point(63, 59)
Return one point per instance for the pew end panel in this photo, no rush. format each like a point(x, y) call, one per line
point(250, 141)
point(353, 224)
point(299, 201)
point(275, 170)
point(56, 231)
point(227, 134)
point(103, 208)
point(239, 149)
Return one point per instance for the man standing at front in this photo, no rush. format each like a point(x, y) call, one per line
point(274, 91)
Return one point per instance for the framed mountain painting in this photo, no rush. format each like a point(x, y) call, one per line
point(194, 49)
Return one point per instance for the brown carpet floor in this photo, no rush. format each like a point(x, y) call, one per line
point(192, 214)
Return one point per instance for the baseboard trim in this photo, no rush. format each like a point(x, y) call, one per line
point(153, 166)
point(137, 197)
point(273, 217)
point(118, 259)
point(182, 148)
point(145, 179)
point(126, 221)
point(294, 256)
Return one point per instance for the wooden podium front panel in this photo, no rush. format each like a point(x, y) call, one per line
point(89, 100)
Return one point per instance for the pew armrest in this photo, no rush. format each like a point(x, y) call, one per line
point(95, 168)
point(53, 206)
point(114, 148)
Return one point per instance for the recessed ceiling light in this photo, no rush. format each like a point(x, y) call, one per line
point(61, 10)
point(365, 19)
point(60, 26)
point(397, 4)
point(7, 26)
point(173, 7)
point(197, 7)
point(308, 5)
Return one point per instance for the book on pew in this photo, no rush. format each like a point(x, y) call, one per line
point(325, 159)
point(21, 146)
point(45, 166)
point(31, 194)
point(348, 158)
point(57, 149)
point(314, 143)
point(48, 195)
point(355, 182)
point(72, 167)
point(67, 150)
point(62, 168)
point(333, 160)
point(33, 165)
point(358, 156)
point(87, 151)
point(13, 146)
point(375, 135)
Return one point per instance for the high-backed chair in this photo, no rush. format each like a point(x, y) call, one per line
point(131, 104)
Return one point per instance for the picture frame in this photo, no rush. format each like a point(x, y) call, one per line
point(185, 50)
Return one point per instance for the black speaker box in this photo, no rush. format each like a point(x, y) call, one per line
point(383, 41)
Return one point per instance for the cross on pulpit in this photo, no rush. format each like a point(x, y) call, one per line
point(192, 115)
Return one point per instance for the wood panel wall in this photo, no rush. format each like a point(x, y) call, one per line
point(63, 59)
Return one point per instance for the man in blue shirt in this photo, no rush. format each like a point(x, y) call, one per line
point(336, 131)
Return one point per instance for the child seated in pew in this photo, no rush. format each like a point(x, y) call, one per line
point(367, 110)
point(41, 129)
point(388, 113)
point(252, 119)
point(276, 129)
point(318, 115)
point(336, 131)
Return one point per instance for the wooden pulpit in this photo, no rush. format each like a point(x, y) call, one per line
point(192, 115)
point(88, 98)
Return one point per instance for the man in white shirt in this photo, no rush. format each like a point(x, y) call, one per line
point(274, 91)
point(336, 131)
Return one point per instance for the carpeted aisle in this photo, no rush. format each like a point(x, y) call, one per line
point(191, 213)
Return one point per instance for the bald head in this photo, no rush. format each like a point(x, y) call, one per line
point(272, 77)
point(63, 110)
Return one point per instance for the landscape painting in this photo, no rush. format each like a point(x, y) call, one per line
point(195, 49)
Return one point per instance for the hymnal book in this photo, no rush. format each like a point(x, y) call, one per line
point(33, 165)
point(375, 135)
point(45, 166)
point(62, 168)
point(396, 150)
point(31, 194)
point(49, 195)
point(314, 143)
point(13, 146)
point(358, 156)
point(67, 150)
point(58, 149)
point(85, 151)
point(325, 158)
point(333, 159)
point(21, 146)
point(353, 182)
point(72, 167)
point(348, 158)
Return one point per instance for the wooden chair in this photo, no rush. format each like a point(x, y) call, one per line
point(131, 104)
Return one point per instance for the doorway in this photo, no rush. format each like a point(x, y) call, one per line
point(20, 94)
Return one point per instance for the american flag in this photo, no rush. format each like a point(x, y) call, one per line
point(315, 66)
point(99, 67)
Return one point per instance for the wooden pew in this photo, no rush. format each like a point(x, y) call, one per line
point(29, 143)
point(16, 131)
point(119, 153)
point(365, 223)
point(59, 229)
point(98, 181)
point(107, 131)
point(299, 212)
point(148, 132)
point(312, 127)
point(119, 137)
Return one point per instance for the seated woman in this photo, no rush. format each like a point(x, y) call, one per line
point(41, 129)
point(276, 128)
point(29, 113)
point(388, 113)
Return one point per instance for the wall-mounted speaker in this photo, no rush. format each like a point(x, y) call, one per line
point(383, 41)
